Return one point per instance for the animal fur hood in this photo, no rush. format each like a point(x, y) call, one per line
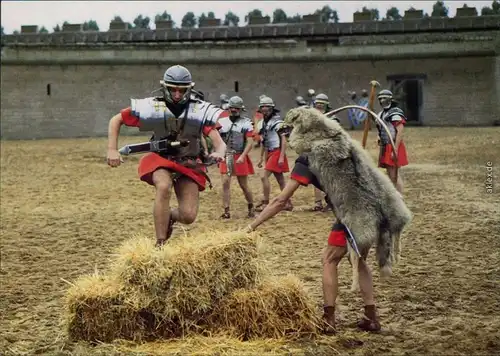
point(363, 198)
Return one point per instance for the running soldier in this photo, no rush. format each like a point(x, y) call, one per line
point(396, 120)
point(273, 150)
point(179, 118)
point(335, 250)
point(237, 133)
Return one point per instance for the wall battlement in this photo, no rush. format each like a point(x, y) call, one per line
point(254, 32)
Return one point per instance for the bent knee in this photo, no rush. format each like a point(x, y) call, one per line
point(163, 186)
point(187, 216)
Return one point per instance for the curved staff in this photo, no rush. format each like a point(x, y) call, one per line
point(376, 119)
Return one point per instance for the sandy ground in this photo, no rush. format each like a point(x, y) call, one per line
point(63, 211)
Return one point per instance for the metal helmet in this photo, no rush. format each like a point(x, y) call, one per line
point(364, 93)
point(177, 77)
point(353, 95)
point(385, 98)
point(300, 101)
point(321, 99)
point(236, 102)
point(266, 101)
point(224, 98)
point(311, 92)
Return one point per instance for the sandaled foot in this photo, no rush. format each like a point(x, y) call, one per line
point(251, 211)
point(329, 321)
point(261, 206)
point(226, 214)
point(369, 322)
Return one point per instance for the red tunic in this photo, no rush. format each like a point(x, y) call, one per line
point(151, 162)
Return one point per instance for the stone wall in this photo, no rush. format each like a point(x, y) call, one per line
point(459, 91)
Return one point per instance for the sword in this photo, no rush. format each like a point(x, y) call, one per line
point(352, 241)
point(229, 163)
point(152, 146)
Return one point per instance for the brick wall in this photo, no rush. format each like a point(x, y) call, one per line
point(461, 91)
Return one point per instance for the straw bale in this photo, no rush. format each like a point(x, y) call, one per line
point(188, 277)
point(279, 307)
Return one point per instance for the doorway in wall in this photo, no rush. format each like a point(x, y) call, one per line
point(407, 90)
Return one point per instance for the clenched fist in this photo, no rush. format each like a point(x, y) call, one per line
point(114, 158)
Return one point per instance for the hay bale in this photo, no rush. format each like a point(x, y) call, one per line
point(99, 308)
point(162, 293)
point(277, 308)
point(190, 275)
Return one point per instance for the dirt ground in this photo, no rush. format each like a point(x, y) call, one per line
point(63, 211)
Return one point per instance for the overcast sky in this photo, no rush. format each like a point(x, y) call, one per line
point(50, 13)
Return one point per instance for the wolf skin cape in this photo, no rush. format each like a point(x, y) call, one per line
point(363, 198)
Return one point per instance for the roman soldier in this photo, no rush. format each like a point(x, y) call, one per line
point(396, 120)
point(177, 120)
point(273, 151)
point(237, 132)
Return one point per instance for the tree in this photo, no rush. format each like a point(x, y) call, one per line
point(2, 32)
point(119, 19)
point(43, 30)
point(142, 22)
point(297, 18)
point(231, 19)
point(189, 20)
point(253, 13)
point(165, 16)
point(393, 14)
point(439, 9)
point(493, 10)
point(279, 16)
point(204, 17)
point(57, 28)
point(327, 14)
point(16, 32)
point(90, 26)
point(374, 14)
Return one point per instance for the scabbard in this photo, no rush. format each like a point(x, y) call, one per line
point(230, 163)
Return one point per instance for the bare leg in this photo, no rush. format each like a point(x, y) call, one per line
point(243, 182)
point(318, 199)
point(162, 181)
point(280, 178)
point(226, 195)
point(392, 172)
point(331, 258)
point(266, 189)
point(188, 197)
point(370, 319)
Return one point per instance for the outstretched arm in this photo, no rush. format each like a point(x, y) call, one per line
point(276, 205)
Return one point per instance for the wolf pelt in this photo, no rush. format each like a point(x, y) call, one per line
point(363, 198)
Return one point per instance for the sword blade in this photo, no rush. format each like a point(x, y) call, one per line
point(352, 240)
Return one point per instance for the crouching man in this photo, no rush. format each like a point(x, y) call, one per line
point(333, 253)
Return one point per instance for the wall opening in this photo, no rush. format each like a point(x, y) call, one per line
point(236, 86)
point(408, 92)
point(48, 89)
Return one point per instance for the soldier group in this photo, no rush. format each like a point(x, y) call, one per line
point(182, 122)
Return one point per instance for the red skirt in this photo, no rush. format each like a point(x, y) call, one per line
point(272, 162)
point(239, 169)
point(387, 160)
point(152, 161)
